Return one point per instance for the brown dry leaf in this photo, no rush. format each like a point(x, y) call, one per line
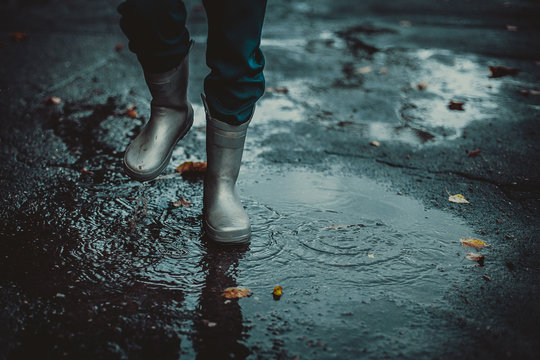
point(422, 85)
point(500, 71)
point(18, 36)
point(458, 199)
point(131, 112)
point(119, 47)
point(235, 292)
point(476, 257)
point(474, 153)
point(181, 203)
point(53, 100)
point(375, 143)
point(86, 171)
point(363, 70)
point(475, 243)
point(456, 105)
point(279, 90)
point(190, 167)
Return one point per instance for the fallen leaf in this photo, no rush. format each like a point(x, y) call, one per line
point(371, 256)
point(500, 71)
point(476, 257)
point(422, 85)
point(209, 323)
point(529, 92)
point(337, 227)
point(181, 203)
point(458, 199)
point(235, 292)
point(405, 23)
point(363, 70)
point(456, 105)
point(475, 243)
point(511, 28)
point(18, 36)
point(375, 143)
point(86, 171)
point(191, 168)
point(277, 292)
point(131, 112)
point(53, 100)
point(279, 90)
point(119, 47)
point(474, 153)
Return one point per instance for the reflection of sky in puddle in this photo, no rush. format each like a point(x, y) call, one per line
point(450, 77)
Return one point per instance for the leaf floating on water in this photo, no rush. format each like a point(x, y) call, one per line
point(475, 243)
point(181, 203)
point(422, 85)
point(476, 257)
point(500, 71)
point(235, 292)
point(191, 167)
point(277, 292)
point(456, 105)
point(458, 199)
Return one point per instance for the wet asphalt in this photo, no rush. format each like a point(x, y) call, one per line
point(348, 167)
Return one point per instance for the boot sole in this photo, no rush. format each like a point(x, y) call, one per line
point(234, 238)
point(152, 175)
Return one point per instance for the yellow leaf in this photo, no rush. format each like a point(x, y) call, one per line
point(458, 199)
point(363, 70)
point(278, 291)
point(475, 243)
point(235, 292)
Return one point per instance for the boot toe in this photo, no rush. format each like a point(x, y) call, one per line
point(228, 231)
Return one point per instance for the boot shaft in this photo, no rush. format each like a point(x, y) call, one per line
point(169, 89)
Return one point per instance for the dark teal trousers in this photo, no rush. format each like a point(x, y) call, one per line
point(158, 36)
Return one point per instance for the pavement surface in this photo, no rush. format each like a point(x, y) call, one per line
point(375, 112)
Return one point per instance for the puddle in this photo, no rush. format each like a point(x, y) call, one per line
point(356, 229)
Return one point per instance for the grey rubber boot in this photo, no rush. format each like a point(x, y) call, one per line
point(170, 120)
point(225, 220)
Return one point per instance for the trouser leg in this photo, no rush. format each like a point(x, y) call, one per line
point(156, 31)
point(236, 80)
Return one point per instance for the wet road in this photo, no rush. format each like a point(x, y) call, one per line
point(362, 238)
